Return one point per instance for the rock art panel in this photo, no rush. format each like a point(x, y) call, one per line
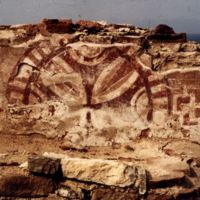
point(93, 92)
point(83, 87)
point(71, 83)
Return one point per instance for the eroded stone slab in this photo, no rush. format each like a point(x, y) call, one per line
point(99, 171)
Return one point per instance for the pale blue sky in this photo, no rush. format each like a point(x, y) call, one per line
point(183, 15)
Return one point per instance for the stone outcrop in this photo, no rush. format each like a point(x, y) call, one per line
point(117, 105)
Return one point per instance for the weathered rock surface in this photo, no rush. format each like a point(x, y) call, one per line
point(172, 167)
point(44, 165)
point(100, 171)
point(169, 170)
point(105, 194)
point(25, 186)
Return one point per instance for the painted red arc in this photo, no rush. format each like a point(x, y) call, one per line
point(89, 75)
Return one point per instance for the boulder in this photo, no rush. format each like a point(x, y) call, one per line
point(164, 29)
point(166, 33)
point(56, 26)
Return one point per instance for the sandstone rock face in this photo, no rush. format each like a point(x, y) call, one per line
point(95, 84)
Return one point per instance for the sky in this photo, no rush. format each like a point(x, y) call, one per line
point(182, 15)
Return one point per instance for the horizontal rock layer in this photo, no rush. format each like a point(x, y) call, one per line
point(100, 171)
point(165, 168)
